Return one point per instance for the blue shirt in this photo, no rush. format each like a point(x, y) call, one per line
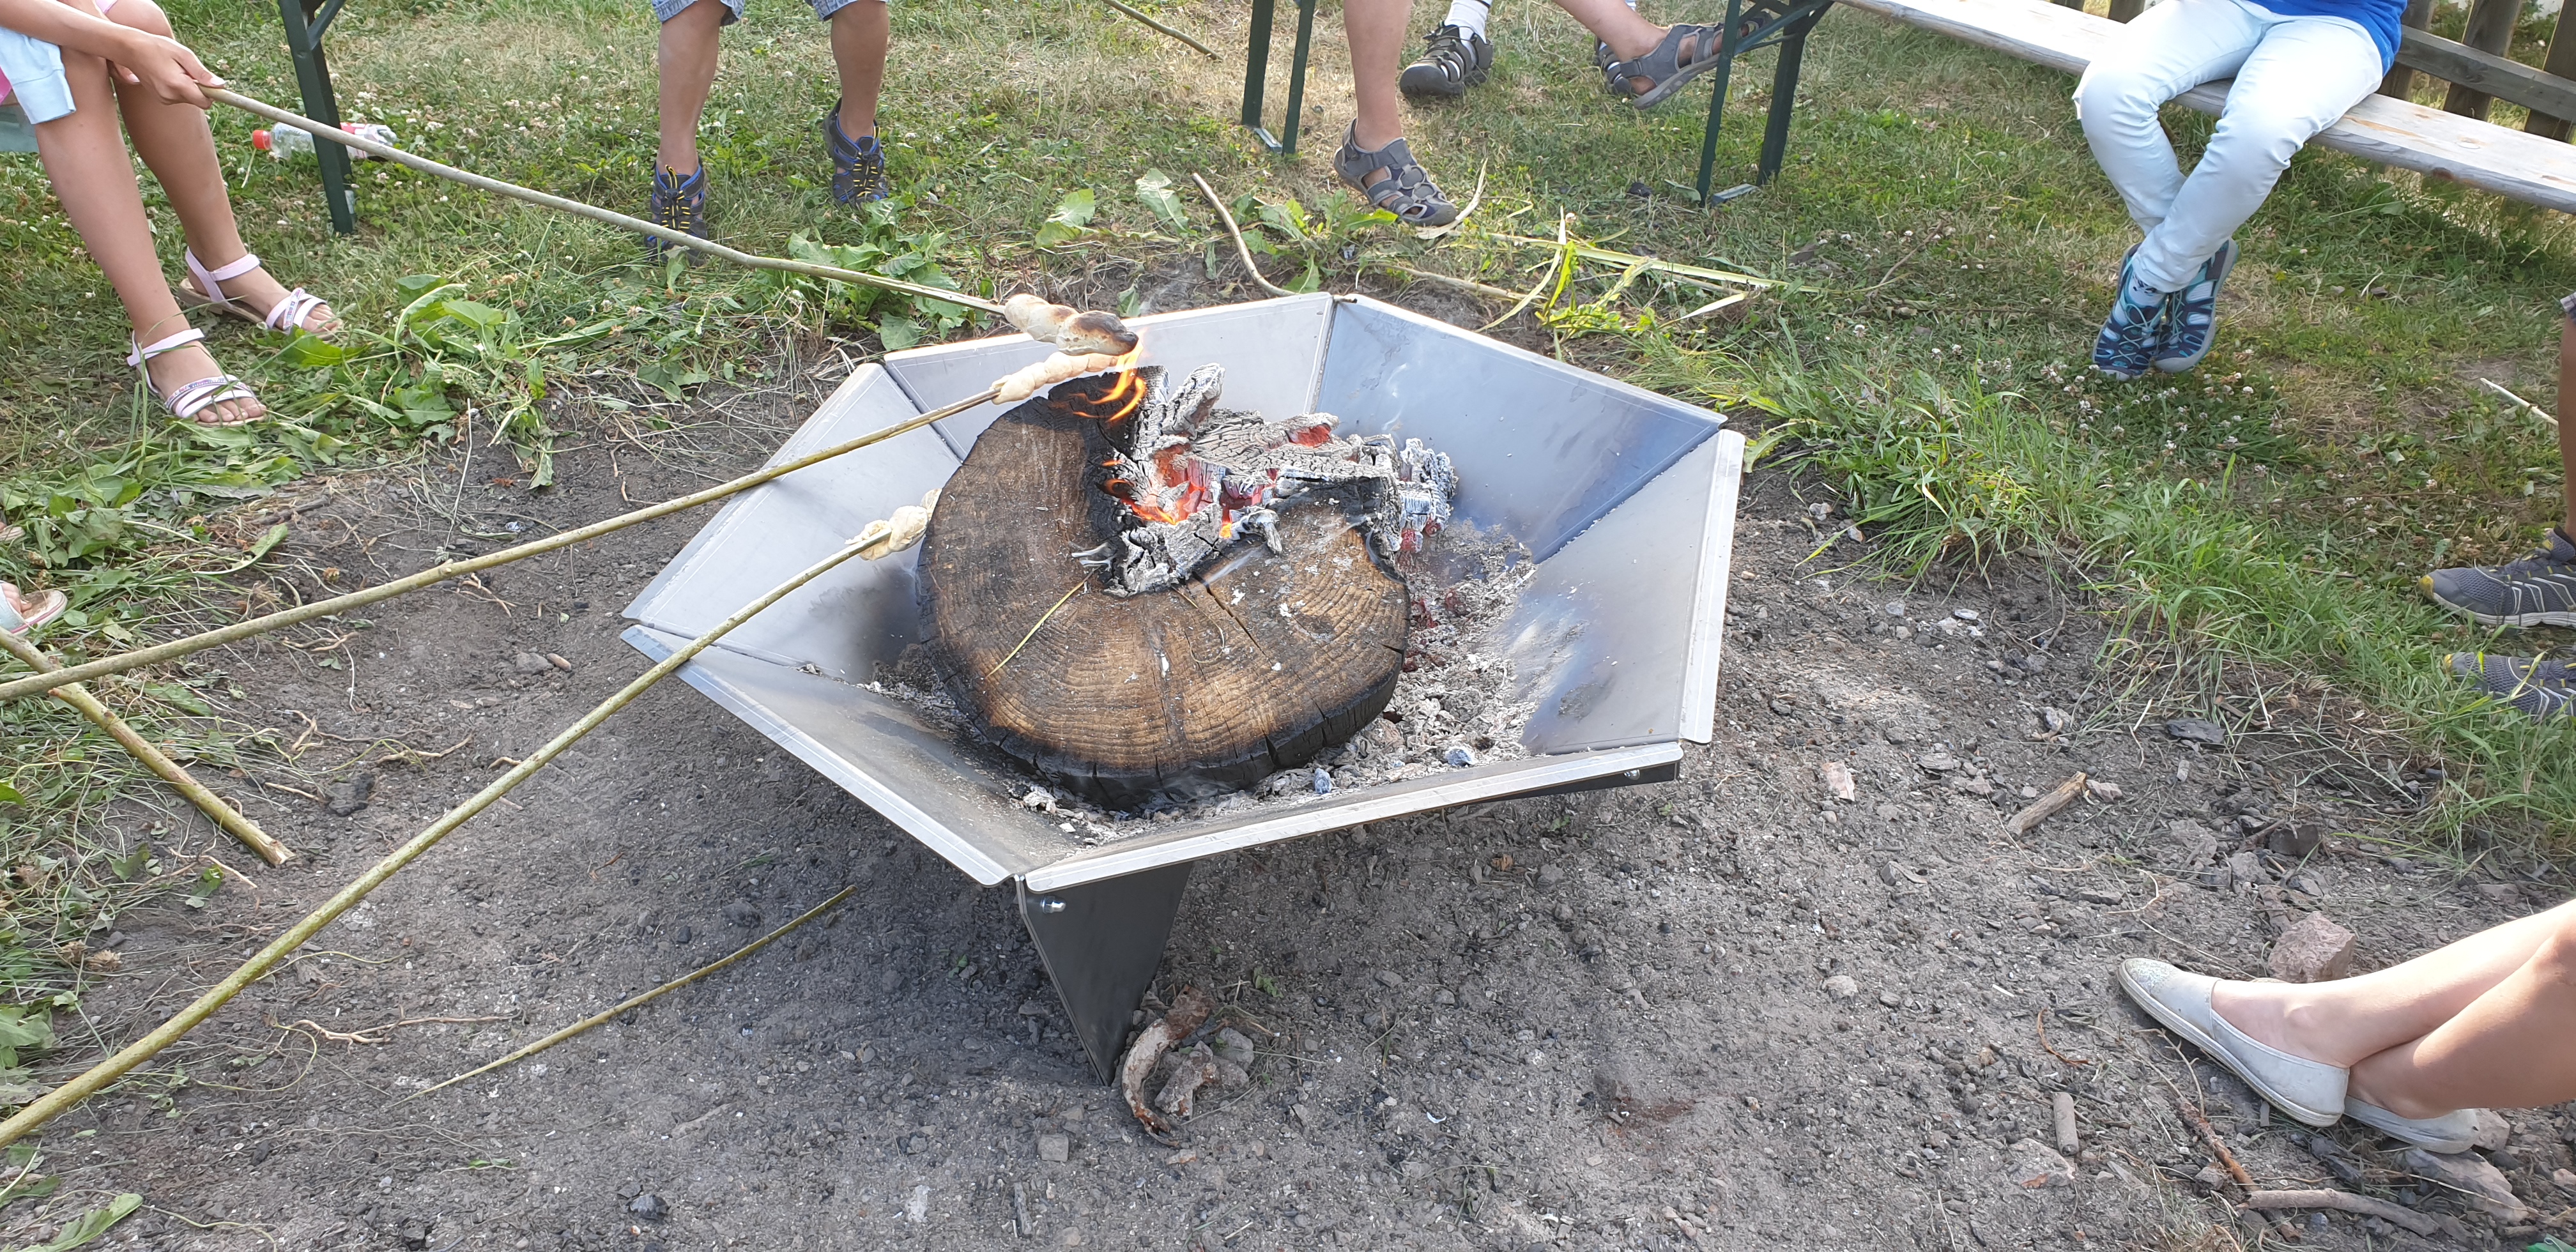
point(2380, 17)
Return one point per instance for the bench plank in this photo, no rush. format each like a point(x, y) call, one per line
point(2381, 129)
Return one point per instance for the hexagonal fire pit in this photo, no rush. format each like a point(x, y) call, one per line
point(1625, 498)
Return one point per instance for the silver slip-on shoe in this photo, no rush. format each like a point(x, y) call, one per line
point(2455, 1131)
point(2310, 1091)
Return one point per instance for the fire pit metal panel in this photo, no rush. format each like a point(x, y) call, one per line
point(1547, 451)
point(1542, 448)
point(1273, 351)
point(850, 619)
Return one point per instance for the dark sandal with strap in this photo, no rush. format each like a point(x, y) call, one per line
point(858, 170)
point(1663, 67)
point(680, 204)
point(1407, 190)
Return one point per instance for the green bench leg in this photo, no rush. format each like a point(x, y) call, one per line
point(1791, 34)
point(1256, 74)
point(313, 77)
point(1784, 97)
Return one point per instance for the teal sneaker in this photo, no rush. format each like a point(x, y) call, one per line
point(2193, 326)
point(2126, 348)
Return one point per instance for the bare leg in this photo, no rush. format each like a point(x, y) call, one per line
point(1377, 33)
point(176, 142)
point(2507, 1049)
point(2344, 1021)
point(1614, 23)
point(92, 175)
point(861, 32)
point(688, 69)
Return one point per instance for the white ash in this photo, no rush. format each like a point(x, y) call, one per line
point(1196, 479)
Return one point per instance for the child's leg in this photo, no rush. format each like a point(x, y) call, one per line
point(2298, 79)
point(85, 158)
point(2165, 52)
point(1617, 24)
point(688, 69)
point(861, 31)
point(1376, 30)
point(176, 142)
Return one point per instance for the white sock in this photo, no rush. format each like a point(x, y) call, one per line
point(1468, 15)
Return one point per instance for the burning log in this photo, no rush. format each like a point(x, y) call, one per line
point(1253, 615)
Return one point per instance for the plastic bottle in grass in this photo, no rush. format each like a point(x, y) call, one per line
point(287, 141)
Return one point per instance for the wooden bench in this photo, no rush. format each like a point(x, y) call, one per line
point(2382, 129)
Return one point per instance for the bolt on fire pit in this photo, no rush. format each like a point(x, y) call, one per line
point(1624, 498)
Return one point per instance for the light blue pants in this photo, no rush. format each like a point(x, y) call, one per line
point(2294, 77)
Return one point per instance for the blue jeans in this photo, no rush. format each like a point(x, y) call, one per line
point(2294, 77)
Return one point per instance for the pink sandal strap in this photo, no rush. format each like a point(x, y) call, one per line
point(142, 354)
point(190, 399)
point(210, 283)
point(292, 308)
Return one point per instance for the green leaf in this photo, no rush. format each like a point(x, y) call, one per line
point(22, 1027)
point(267, 540)
point(898, 332)
point(308, 351)
point(181, 696)
point(414, 286)
point(86, 1228)
point(11, 795)
point(1070, 218)
point(475, 312)
point(31, 1187)
point(1155, 190)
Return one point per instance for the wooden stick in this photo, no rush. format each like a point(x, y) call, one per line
point(2018, 824)
point(2218, 1147)
point(601, 1017)
point(2329, 1198)
point(1139, 15)
point(97, 1077)
point(1240, 248)
point(41, 683)
point(1482, 289)
point(388, 152)
point(153, 758)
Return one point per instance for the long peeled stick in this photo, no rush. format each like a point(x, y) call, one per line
point(98, 1076)
point(39, 684)
point(604, 1016)
point(153, 758)
point(388, 152)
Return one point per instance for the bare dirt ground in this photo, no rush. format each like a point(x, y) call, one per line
point(1730, 1011)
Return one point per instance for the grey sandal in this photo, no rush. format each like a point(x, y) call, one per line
point(1663, 67)
point(1407, 190)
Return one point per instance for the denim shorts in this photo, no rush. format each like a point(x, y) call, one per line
point(665, 10)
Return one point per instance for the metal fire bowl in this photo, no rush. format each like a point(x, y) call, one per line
point(1626, 498)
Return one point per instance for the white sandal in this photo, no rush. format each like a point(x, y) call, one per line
point(287, 315)
point(188, 400)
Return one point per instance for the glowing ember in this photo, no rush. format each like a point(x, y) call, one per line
point(1194, 478)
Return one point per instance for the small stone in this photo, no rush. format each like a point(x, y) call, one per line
point(2482, 1185)
point(741, 913)
point(1838, 779)
point(681, 935)
point(1890, 999)
point(2035, 1165)
point(2565, 1180)
point(1893, 608)
point(916, 1207)
point(648, 1207)
point(2200, 843)
point(1387, 978)
point(1965, 615)
point(2197, 730)
point(1842, 987)
point(1783, 707)
point(2296, 839)
point(1322, 782)
point(1233, 1047)
point(2054, 721)
point(2102, 792)
point(2245, 871)
point(558, 662)
point(2096, 895)
point(1459, 756)
point(2033, 663)
point(1937, 762)
point(1982, 788)
point(350, 795)
point(2314, 949)
point(1034, 1008)
point(529, 663)
point(1055, 1147)
point(1550, 875)
point(2493, 1131)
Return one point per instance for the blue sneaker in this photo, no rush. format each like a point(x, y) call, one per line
point(858, 165)
point(2127, 346)
point(2194, 326)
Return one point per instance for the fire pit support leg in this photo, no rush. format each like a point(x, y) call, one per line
point(1101, 943)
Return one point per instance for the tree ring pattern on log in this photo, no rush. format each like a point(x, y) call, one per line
point(1256, 664)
